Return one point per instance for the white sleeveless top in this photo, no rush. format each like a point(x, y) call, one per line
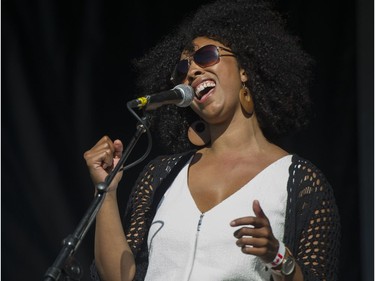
point(185, 244)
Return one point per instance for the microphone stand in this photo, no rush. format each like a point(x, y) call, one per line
point(65, 264)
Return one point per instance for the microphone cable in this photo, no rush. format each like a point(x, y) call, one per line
point(144, 123)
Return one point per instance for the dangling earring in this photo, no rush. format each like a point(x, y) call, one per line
point(246, 100)
point(198, 133)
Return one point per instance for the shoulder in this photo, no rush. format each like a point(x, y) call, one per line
point(306, 179)
point(165, 163)
point(302, 168)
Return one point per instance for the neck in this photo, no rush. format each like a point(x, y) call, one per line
point(244, 136)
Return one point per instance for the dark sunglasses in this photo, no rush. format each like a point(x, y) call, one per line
point(204, 57)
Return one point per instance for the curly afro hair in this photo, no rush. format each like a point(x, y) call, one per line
point(279, 69)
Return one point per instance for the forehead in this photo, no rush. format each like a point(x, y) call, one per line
point(200, 42)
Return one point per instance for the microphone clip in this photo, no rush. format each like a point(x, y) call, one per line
point(140, 102)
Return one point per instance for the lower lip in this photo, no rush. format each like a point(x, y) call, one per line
point(205, 97)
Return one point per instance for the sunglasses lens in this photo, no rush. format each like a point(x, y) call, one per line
point(206, 56)
point(180, 71)
point(182, 66)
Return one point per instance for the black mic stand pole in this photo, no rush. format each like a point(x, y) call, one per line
point(64, 262)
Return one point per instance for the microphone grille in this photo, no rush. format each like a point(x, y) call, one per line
point(187, 95)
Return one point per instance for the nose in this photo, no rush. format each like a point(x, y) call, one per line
point(194, 70)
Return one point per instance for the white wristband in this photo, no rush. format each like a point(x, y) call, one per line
point(279, 257)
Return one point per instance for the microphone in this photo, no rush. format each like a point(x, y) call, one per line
point(181, 95)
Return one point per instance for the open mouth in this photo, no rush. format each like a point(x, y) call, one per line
point(204, 88)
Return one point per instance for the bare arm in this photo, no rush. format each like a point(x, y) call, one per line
point(113, 257)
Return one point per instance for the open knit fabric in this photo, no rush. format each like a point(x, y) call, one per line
point(312, 223)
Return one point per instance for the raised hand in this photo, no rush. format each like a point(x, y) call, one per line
point(256, 236)
point(102, 158)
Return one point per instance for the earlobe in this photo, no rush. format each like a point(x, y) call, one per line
point(243, 75)
point(246, 100)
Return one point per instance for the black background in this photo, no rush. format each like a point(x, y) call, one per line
point(66, 79)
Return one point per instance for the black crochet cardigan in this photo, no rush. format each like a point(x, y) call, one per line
point(312, 223)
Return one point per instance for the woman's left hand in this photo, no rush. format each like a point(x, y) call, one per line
point(256, 236)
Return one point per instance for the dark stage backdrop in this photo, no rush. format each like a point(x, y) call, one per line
point(66, 78)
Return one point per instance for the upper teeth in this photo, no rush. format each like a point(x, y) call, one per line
point(203, 86)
